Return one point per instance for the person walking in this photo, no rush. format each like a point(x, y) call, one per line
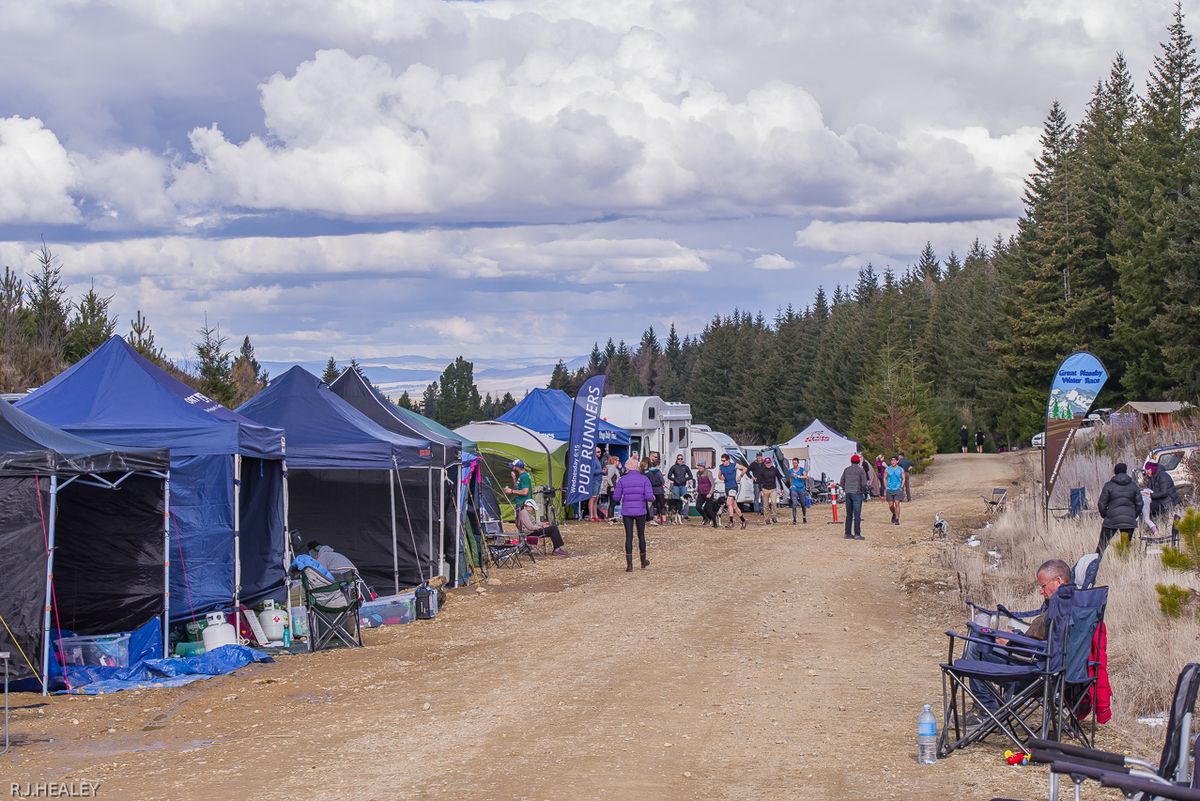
point(659, 485)
point(979, 440)
point(768, 488)
point(745, 492)
point(870, 485)
point(798, 489)
point(634, 493)
point(680, 474)
point(964, 437)
point(704, 493)
point(897, 479)
point(907, 465)
point(729, 475)
point(855, 485)
point(880, 471)
point(1120, 506)
point(756, 470)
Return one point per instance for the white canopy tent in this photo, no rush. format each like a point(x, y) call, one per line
point(829, 451)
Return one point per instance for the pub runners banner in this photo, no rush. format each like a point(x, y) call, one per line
point(585, 433)
point(1078, 381)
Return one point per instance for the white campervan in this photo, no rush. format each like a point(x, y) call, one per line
point(707, 446)
point(653, 424)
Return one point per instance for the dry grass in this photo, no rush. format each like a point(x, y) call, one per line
point(1146, 651)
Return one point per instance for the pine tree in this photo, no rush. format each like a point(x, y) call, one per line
point(405, 402)
point(890, 414)
point(429, 401)
point(1155, 173)
point(646, 361)
point(560, 378)
point(331, 371)
point(47, 316)
point(928, 267)
point(248, 376)
point(90, 325)
point(215, 365)
point(458, 401)
point(141, 339)
point(505, 403)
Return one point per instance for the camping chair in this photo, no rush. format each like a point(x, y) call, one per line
point(4, 656)
point(995, 504)
point(1175, 763)
point(332, 611)
point(1083, 574)
point(1037, 687)
point(503, 550)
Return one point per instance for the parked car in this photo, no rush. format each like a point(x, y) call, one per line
point(1039, 440)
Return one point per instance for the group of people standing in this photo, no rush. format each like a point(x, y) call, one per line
point(1122, 503)
point(964, 438)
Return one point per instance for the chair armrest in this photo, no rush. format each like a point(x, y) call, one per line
point(1158, 789)
point(990, 642)
point(1073, 751)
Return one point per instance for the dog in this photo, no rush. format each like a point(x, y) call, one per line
point(675, 507)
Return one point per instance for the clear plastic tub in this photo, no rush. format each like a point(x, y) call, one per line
point(388, 611)
point(107, 650)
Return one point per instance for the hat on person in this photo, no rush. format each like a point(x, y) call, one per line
point(516, 463)
point(1120, 467)
point(1150, 467)
point(530, 502)
point(855, 458)
point(767, 460)
point(632, 463)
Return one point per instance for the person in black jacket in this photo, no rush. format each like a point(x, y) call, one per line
point(768, 483)
point(658, 484)
point(1163, 496)
point(1120, 505)
point(680, 474)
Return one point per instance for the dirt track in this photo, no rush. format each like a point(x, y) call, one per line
point(782, 662)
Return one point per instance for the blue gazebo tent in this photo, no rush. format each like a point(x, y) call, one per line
point(227, 488)
point(339, 462)
point(548, 411)
point(452, 457)
point(72, 511)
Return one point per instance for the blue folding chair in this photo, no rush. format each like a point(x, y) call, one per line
point(1024, 688)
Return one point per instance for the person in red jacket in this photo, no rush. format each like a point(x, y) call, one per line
point(634, 493)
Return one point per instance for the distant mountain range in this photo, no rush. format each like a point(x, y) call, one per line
point(396, 374)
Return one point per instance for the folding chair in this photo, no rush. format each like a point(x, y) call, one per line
point(995, 504)
point(332, 611)
point(503, 550)
point(1033, 687)
point(4, 656)
point(1083, 574)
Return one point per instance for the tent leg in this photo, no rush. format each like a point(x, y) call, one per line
point(458, 532)
point(288, 554)
point(442, 517)
point(49, 578)
point(395, 541)
point(429, 553)
point(166, 622)
point(237, 531)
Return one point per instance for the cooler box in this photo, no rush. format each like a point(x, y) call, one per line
point(107, 650)
point(388, 611)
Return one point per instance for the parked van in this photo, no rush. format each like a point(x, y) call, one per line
point(708, 446)
point(654, 425)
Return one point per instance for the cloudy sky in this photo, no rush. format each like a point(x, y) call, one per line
point(367, 177)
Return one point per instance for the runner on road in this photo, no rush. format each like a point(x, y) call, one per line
point(897, 479)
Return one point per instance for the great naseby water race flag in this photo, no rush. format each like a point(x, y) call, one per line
point(585, 433)
point(1078, 381)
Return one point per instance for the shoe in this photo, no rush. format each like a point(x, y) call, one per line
point(559, 552)
point(653, 523)
point(859, 537)
point(847, 536)
point(806, 520)
point(744, 523)
point(628, 563)
point(893, 519)
point(645, 562)
point(794, 522)
point(729, 524)
point(896, 521)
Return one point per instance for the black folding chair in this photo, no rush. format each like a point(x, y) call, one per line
point(1024, 688)
point(332, 611)
point(995, 504)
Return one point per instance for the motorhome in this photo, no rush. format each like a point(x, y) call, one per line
point(706, 445)
point(654, 425)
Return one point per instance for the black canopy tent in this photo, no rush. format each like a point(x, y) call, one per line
point(84, 533)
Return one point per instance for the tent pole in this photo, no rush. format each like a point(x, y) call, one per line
point(442, 515)
point(288, 553)
point(430, 526)
point(49, 577)
point(237, 532)
point(166, 623)
point(458, 513)
point(395, 541)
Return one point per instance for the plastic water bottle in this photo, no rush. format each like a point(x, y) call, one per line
point(927, 737)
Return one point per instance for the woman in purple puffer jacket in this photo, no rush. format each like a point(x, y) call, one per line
point(634, 493)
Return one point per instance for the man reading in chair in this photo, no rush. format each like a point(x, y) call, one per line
point(1050, 576)
point(531, 528)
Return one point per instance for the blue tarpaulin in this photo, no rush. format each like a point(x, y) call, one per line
point(548, 411)
point(116, 396)
point(146, 669)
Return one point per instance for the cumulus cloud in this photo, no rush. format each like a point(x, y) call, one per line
point(36, 174)
point(773, 261)
point(871, 239)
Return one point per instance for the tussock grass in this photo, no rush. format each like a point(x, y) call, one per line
point(1146, 650)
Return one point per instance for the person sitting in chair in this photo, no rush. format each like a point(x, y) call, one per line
point(1052, 574)
point(528, 526)
point(331, 560)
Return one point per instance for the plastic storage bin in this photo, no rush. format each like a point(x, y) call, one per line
point(388, 611)
point(108, 650)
